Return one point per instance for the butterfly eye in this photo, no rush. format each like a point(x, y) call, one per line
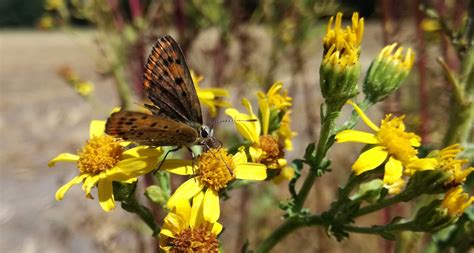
point(204, 131)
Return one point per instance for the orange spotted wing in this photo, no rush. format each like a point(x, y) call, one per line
point(176, 113)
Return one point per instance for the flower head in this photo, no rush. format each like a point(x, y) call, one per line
point(210, 97)
point(215, 169)
point(271, 134)
point(185, 230)
point(456, 201)
point(104, 160)
point(448, 163)
point(340, 69)
point(390, 144)
point(387, 72)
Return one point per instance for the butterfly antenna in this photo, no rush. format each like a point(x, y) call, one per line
point(230, 120)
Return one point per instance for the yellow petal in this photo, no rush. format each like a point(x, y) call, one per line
point(216, 228)
point(364, 117)
point(89, 183)
point(356, 136)
point(211, 208)
point(134, 167)
point(179, 166)
point(97, 128)
point(255, 153)
point(251, 171)
point(249, 130)
point(106, 196)
point(142, 151)
point(185, 191)
point(369, 160)
point(265, 113)
point(197, 210)
point(174, 223)
point(415, 141)
point(64, 157)
point(166, 232)
point(76, 180)
point(393, 171)
point(183, 209)
point(421, 164)
point(240, 157)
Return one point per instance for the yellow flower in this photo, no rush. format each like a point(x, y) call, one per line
point(104, 160)
point(211, 97)
point(84, 88)
point(276, 98)
point(448, 163)
point(212, 175)
point(185, 230)
point(391, 144)
point(264, 147)
point(46, 22)
point(456, 201)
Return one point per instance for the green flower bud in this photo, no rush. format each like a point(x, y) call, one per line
point(156, 195)
point(339, 74)
point(340, 69)
point(387, 72)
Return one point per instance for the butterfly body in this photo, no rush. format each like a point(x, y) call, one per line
point(176, 118)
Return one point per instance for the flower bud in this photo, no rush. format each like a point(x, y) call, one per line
point(340, 69)
point(387, 72)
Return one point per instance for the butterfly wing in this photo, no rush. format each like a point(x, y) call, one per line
point(151, 130)
point(168, 83)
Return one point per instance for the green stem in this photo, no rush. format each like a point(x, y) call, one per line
point(321, 150)
point(284, 229)
point(123, 89)
point(379, 230)
point(402, 197)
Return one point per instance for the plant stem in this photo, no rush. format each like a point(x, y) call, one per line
point(404, 196)
point(321, 150)
point(284, 229)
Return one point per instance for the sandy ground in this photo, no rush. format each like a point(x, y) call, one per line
point(41, 117)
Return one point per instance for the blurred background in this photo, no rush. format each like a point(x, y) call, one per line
point(64, 63)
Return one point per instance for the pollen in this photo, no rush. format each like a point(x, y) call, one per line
point(396, 141)
point(272, 150)
point(214, 168)
point(100, 153)
point(199, 239)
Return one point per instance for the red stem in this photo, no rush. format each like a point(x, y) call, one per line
point(135, 8)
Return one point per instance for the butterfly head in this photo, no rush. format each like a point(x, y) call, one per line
point(205, 132)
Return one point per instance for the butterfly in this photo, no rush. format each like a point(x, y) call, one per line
point(176, 118)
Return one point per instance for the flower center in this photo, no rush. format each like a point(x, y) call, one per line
point(199, 239)
point(393, 137)
point(272, 150)
point(100, 153)
point(214, 166)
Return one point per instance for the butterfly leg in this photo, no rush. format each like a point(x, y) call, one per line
point(193, 159)
point(164, 158)
point(222, 158)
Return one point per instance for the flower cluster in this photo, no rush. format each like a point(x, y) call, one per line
point(395, 149)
